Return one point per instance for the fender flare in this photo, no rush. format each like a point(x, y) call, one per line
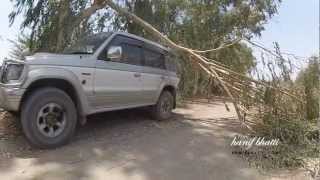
point(37, 74)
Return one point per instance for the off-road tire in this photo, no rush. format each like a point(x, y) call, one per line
point(158, 112)
point(29, 117)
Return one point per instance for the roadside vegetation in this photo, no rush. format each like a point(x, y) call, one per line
point(294, 123)
point(267, 100)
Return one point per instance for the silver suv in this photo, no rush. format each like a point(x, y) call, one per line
point(102, 72)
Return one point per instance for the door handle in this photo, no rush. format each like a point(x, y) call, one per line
point(86, 74)
point(137, 75)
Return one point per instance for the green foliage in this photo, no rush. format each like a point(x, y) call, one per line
point(310, 81)
point(198, 24)
point(49, 19)
point(19, 47)
point(298, 141)
point(293, 122)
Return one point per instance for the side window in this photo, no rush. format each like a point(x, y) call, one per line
point(154, 59)
point(131, 50)
point(131, 54)
point(171, 63)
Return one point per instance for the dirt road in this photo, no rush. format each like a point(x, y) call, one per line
point(128, 145)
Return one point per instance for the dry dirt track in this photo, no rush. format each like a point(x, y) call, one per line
point(128, 145)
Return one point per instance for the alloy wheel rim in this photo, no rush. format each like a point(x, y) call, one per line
point(51, 120)
point(166, 106)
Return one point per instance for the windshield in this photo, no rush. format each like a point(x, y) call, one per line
point(87, 45)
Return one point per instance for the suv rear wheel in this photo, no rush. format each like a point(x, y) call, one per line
point(48, 118)
point(163, 109)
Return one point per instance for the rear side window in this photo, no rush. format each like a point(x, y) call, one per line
point(171, 63)
point(154, 59)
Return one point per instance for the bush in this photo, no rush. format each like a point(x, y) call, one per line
point(298, 141)
point(294, 123)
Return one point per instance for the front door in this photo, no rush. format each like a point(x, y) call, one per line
point(118, 83)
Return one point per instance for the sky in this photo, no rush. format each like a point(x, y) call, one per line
point(7, 32)
point(295, 28)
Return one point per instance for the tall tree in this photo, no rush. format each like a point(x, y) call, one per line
point(193, 23)
point(52, 23)
point(309, 78)
point(197, 24)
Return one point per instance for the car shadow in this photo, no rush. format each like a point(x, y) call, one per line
point(129, 144)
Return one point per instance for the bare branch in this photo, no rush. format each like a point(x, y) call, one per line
point(97, 5)
point(223, 46)
point(256, 81)
point(215, 75)
point(263, 48)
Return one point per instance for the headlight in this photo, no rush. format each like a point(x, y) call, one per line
point(11, 71)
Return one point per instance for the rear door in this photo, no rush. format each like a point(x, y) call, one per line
point(118, 83)
point(154, 73)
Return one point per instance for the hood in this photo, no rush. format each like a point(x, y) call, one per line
point(55, 59)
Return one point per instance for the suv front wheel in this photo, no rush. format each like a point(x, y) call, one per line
point(48, 118)
point(163, 109)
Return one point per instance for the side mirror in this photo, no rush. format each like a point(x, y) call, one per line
point(114, 53)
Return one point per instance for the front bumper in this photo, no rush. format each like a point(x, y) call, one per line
point(10, 97)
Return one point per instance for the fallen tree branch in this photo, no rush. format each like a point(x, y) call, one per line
point(204, 63)
point(215, 75)
point(255, 81)
point(223, 46)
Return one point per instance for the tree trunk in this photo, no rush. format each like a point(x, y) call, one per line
point(64, 11)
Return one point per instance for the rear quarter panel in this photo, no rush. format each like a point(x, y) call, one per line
point(171, 80)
